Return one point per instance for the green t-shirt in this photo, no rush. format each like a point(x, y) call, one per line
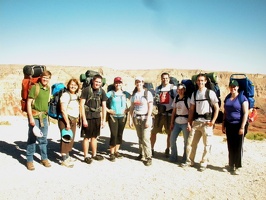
point(41, 101)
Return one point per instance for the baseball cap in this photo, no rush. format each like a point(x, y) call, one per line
point(37, 132)
point(67, 135)
point(139, 78)
point(233, 83)
point(181, 86)
point(118, 79)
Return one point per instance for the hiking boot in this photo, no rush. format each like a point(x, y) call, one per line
point(30, 166)
point(148, 162)
point(45, 163)
point(139, 157)
point(97, 157)
point(152, 152)
point(112, 157)
point(118, 155)
point(167, 152)
point(68, 163)
point(236, 171)
point(88, 160)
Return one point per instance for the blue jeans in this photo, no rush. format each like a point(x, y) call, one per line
point(175, 132)
point(42, 141)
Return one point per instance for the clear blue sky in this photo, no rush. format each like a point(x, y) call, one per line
point(219, 35)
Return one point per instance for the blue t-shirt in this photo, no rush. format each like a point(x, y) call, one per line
point(233, 110)
point(118, 102)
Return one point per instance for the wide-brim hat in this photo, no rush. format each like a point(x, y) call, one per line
point(67, 135)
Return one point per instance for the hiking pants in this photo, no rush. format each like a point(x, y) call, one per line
point(144, 137)
point(234, 144)
point(199, 129)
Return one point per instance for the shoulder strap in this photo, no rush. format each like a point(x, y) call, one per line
point(146, 94)
point(185, 98)
point(37, 90)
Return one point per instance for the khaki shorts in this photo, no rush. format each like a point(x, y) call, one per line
point(160, 122)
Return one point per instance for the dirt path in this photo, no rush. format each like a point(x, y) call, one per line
point(126, 178)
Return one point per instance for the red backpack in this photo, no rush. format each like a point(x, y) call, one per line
point(31, 77)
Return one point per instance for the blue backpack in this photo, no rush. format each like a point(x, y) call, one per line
point(54, 104)
point(245, 86)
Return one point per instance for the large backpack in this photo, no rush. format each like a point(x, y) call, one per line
point(173, 81)
point(87, 78)
point(246, 86)
point(31, 77)
point(54, 110)
point(190, 87)
point(212, 84)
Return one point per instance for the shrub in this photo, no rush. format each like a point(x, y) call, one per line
point(256, 136)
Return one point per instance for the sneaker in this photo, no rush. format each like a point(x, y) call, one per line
point(139, 157)
point(67, 163)
point(237, 171)
point(148, 162)
point(202, 168)
point(45, 163)
point(88, 160)
point(112, 157)
point(97, 157)
point(30, 166)
point(118, 155)
point(184, 165)
point(167, 152)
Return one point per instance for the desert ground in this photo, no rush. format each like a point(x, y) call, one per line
point(125, 178)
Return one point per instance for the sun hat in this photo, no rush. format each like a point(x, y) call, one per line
point(118, 79)
point(67, 135)
point(37, 132)
point(139, 78)
point(233, 83)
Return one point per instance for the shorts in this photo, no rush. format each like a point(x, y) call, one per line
point(161, 121)
point(93, 129)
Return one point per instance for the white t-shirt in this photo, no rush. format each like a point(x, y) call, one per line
point(181, 109)
point(72, 103)
point(140, 103)
point(203, 107)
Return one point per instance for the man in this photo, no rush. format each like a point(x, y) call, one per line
point(204, 118)
point(37, 107)
point(166, 93)
point(93, 114)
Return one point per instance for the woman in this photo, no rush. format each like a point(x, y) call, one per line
point(117, 118)
point(235, 118)
point(69, 105)
point(179, 122)
point(140, 115)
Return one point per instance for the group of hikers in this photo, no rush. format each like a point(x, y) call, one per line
point(91, 107)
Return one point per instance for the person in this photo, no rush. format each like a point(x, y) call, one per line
point(93, 114)
point(37, 118)
point(69, 106)
point(204, 114)
point(117, 117)
point(140, 116)
point(179, 121)
point(235, 118)
point(166, 93)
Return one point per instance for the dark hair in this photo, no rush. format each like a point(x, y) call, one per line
point(75, 81)
point(201, 74)
point(165, 73)
point(97, 76)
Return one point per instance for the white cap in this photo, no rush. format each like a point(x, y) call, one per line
point(139, 78)
point(37, 132)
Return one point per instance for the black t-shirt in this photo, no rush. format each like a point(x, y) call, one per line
point(93, 103)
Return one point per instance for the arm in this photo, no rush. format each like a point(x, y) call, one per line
point(149, 117)
point(215, 115)
point(63, 107)
point(244, 118)
point(173, 119)
point(103, 113)
point(190, 116)
point(82, 112)
point(29, 112)
point(131, 115)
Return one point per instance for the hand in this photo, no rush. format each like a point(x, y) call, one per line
point(241, 131)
